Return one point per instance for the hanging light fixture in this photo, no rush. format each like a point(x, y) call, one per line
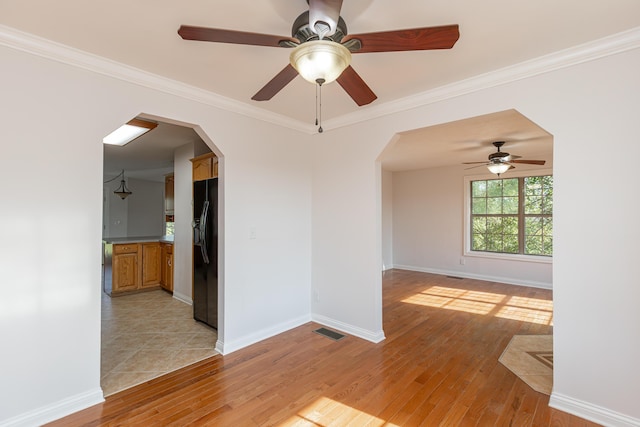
point(123, 192)
point(322, 60)
point(498, 167)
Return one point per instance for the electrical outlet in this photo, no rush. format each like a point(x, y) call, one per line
point(252, 233)
point(316, 295)
point(462, 261)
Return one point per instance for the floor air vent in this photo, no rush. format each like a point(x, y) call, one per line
point(329, 334)
point(455, 277)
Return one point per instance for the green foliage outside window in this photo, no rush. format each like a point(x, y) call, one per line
point(513, 216)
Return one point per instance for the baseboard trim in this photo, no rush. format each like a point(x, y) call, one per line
point(499, 279)
point(56, 410)
point(229, 347)
point(182, 298)
point(591, 412)
point(373, 336)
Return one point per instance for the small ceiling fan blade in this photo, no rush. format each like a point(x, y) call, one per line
point(355, 87)
point(443, 37)
point(324, 12)
point(475, 163)
point(276, 84)
point(230, 36)
point(529, 162)
point(473, 167)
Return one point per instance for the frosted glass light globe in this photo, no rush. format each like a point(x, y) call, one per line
point(320, 60)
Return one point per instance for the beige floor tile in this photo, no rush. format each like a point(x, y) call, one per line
point(146, 335)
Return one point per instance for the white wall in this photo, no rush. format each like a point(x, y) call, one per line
point(50, 305)
point(116, 212)
point(428, 230)
point(146, 208)
point(183, 213)
point(387, 220)
point(53, 306)
point(140, 214)
point(588, 108)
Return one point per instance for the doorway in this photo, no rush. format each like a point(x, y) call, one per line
point(147, 334)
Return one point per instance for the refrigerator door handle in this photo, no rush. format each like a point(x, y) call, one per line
point(203, 232)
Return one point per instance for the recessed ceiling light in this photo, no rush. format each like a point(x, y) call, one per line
point(128, 132)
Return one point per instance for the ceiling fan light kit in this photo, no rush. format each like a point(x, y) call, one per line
point(322, 48)
point(500, 161)
point(320, 60)
point(498, 167)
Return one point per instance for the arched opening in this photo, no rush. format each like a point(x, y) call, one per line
point(149, 329)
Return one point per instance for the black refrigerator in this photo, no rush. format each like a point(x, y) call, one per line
point(205, 251)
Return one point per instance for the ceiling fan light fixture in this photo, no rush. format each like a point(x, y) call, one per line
point(498, 167)
point(320, 60)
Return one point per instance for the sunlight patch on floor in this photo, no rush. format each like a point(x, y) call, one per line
point(324, 412)
point(525, 309)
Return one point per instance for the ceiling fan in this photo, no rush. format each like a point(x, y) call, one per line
point(322, 48)
point(501, 161)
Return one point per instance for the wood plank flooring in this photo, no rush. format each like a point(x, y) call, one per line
point(438, 366)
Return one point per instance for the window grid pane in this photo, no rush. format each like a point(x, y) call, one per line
point(498, 219)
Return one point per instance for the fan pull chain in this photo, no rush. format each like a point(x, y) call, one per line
point(319, 105)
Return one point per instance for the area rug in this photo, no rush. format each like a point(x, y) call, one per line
point(530, 357)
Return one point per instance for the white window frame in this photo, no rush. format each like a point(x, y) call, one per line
point(467, 252)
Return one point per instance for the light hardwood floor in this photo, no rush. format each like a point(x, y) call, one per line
point(438, 366)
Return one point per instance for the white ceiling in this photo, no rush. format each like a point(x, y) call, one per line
point(493, 34)
point(149, 156)
point(468, 140)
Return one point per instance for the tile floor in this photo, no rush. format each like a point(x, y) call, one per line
point(530, 357)
point(146, 335)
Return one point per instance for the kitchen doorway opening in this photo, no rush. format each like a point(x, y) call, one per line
point(149, 329)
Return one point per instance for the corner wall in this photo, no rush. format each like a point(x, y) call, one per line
point(428, 231)
point(589, 107)
point(50, 258)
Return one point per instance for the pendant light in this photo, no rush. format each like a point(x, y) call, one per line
point(123, 192)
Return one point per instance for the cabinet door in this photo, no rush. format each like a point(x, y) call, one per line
point(166, 277)
point(125, 272)
point(151, 259)
point(202, 169)
point(168, 195)
point(168, 265)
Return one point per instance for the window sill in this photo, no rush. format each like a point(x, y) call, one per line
point(510, 257)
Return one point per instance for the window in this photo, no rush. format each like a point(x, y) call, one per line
point(512, 216)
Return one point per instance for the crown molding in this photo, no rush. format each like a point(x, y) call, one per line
point(48, 49)
point(610, 45)
point(590, 51)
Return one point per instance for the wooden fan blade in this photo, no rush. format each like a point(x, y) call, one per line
point(473, 167)
point(276, 84)
point(324, 11)
point(427, 38)
point(355, 87)
point(229, 36)
point(529, 162)
point(475, 163)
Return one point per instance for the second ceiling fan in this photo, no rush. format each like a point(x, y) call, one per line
point(319, 37)
point(501, 161)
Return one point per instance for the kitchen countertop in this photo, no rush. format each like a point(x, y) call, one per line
point(138, 239)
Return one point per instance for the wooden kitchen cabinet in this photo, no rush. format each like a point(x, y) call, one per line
point(126, 274)
point(151, 264)
point(166, 280)
point(169, 192)
point(205, 167)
